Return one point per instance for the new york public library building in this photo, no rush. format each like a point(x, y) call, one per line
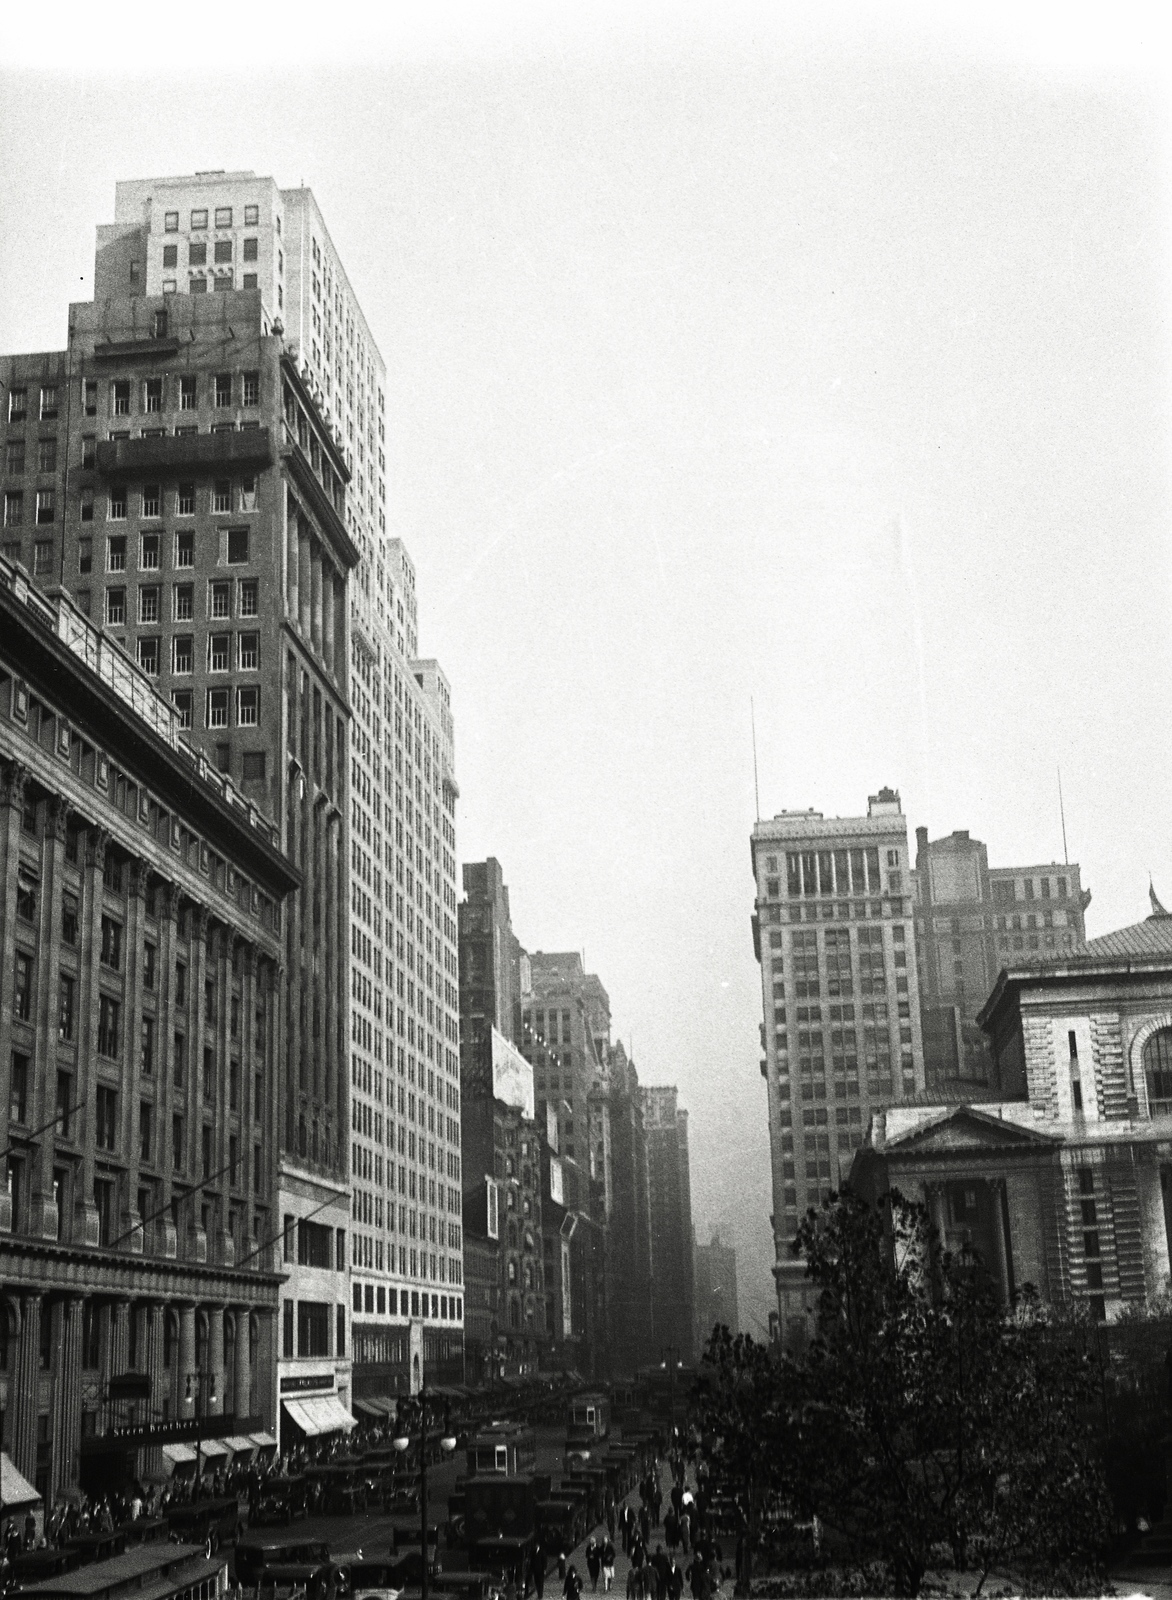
point(140, 926)
point(1060, 1173)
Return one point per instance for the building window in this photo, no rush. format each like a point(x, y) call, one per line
point(185, 557)
point(248, 598)
point(221, 605)
point(223, 250)
point(1157, 1063)
point(248, 281)
point(221, 496)
point(145, 1116)
point(148, 656)
point(247, 707)
point(107, 1118)
point(223, 283)
point(42, 558)
point(22, 999)
point(181, 700)
point(117, 505)
point(217, 708)
point(69, 917)
point(253, 766)
point(251, 216)
point(199, 219)
point(152, 389)
point(184, 602)
point(46, 455)
point(184, 507)
point(18, 1090)
point(251, 379)
point(219, 650)
point(197, 285)
point(151, 500)
point(148, 604)
point(178, 1147)
point(65, 994)
point(249, 652)
point(171, 222)
point(13, 508)
point(116, 554)
point(313, 1328)
point(17, 404)
point(111, 943)
point(48, 401)
point(237, 545)
point(170, 256)
point(44, 506)
point(15, 457)
point(148, 555)
point(120, 397)
point(182, 650)
point(287, 1329)
point(223, 389)
point(223, 216)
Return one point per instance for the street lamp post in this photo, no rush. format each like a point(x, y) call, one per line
point(196, 1379)
point(402, 1445)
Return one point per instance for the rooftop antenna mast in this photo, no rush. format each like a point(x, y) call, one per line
point(1062, 814)
point(756, 785)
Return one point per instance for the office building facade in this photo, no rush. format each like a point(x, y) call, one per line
point(141, 1040)
point(970, 921)
point(833, 931)
point(670, 1196)
point(217, 456)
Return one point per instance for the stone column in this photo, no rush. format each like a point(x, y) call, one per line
point(132, 1010)
point(44, 1206)
point(304, 583)
point(315, 615)
point(329, 604)
point(186, 1365)
point(216, 1373)
point(115, 1355)
point(1000, 1264)
point(265, 1386)
point(24, 1387)
point(85, 1217)
point(66, 1395)
point(242, 1366)
point(160, 1236)
point(292, 552)
point(152, 1364)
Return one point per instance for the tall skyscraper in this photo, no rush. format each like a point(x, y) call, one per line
point(971, 920)
point(833, 932)
point(218, 505)
point(670, 1185)
point(630, 1275)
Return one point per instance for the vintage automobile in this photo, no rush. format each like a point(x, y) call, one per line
point(256, 1557)
point(208, 1522)
point(278, 1500)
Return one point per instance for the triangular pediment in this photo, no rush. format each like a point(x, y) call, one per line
point(966, 1128)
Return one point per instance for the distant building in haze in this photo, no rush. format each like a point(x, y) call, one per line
point(715, 1276)
point(670, 1183)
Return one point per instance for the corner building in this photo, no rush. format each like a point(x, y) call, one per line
point(141, 1037)
point(841, 1035)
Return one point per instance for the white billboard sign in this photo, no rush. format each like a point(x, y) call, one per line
point(512, 1076)
point(557, 1190)
point(551, 1125)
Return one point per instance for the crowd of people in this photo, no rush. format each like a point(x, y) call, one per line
point(686, 1555)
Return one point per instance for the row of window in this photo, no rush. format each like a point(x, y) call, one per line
point(235, 550)
point(155, 394)
point(217, 705)
point(222, 499)
point(220, 656)
point(197, 252)
point(219, 602)
point(223, 218)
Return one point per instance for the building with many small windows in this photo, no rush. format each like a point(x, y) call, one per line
point(970, 920)
point(142, 1038)
point(670, 1185)
point(841, 1037)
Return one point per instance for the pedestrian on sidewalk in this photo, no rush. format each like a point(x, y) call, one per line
point(607, 1566)
point(593, 1562)
point(573, 1584)
point(537, 1570)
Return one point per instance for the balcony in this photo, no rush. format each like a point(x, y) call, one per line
point(192, 452)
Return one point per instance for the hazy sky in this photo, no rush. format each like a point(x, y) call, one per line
point(807, 355)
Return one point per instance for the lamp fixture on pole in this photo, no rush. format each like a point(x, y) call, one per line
point(402, 1444)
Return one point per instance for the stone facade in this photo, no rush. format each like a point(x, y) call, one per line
point(140, 1042)
point(1076, 1143)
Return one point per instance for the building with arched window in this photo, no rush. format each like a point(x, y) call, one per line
point(1063, 1177)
